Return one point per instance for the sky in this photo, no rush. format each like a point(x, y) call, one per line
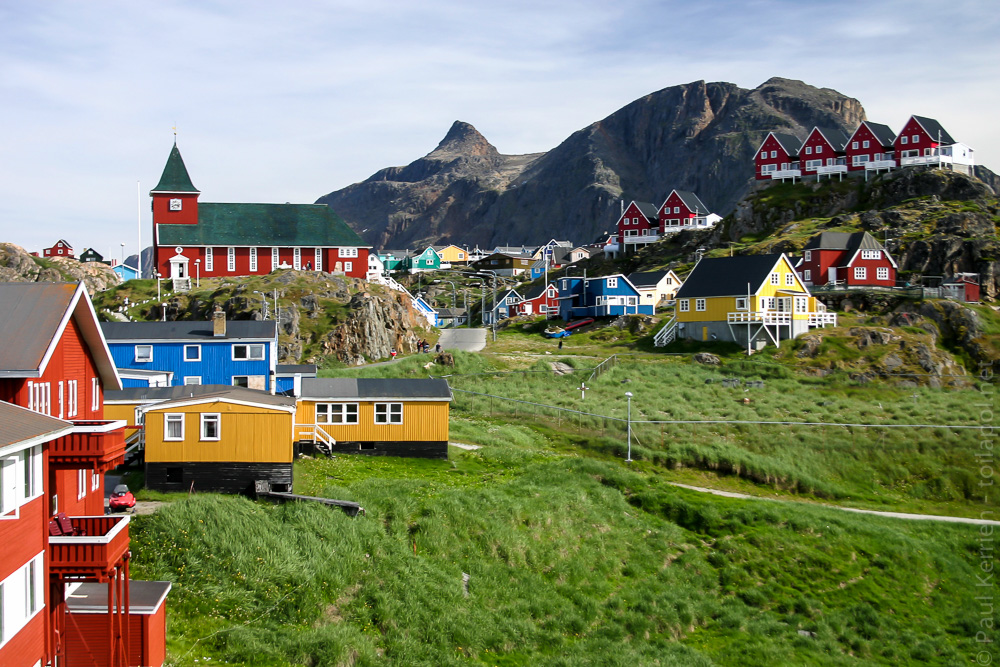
point(287, 101)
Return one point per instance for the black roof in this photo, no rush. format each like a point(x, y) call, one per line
point(789, 142)
point(727, 276)
point(843, 241)
point(235, 330)
point(363, 388)
point(837, 138)
point(646, 278)
point(691, 200)
point(934, 129)
point(651, 212)
point(883, 133)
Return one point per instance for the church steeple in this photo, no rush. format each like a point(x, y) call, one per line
point(175, 175)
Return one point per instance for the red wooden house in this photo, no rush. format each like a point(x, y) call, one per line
point(59, 249)
point(638, 225)
point(962, 287)
point(840, 258)
point(870, 148)
point(778, 157)
point(56, 364)
point(822, 153)
point(923, 141)
point(195, 239)
point(683, 209)
point(539, 300)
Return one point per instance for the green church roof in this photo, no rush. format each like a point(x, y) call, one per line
point(175, 175)
point(307, 225)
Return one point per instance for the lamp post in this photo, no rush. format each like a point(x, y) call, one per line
point(123, 257)
point(454, 303)
point(628, 395)
point(157, 276)
point(197, 273)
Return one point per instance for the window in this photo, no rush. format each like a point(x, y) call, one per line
point(631, 301)
point(274, 259)
point(388, 413)
point(192, 379)
point(241, 380)
point(809, 150)
point(253, 260)
point(789, 280)
point(859, 159)
point(871, 254)
point(612, 283)
point(774, 154)
point(173, 427)
point(812, 164)
point(801, 304)
point(71, 388)
point(819, 149)
point(231, 259)
point(336, 413)
point(684, 305)
point(81, 484)
point(860, 272)
point(143, 354)
point(31, 595)
point(296, 258)
point(351, 252)
point(210, 427)
point(209, 260)
point(807, 274)
point(882, 273)
point(461, 255)
point(254, 352)
point(741, 303)
point(95, 394)
point(807, 256)
point(677, 210)
point(854, 145)
point(915, 139)
point(775, 279)
point(699, 305)
point(763, 155)
point(95, 481)
point(348, 267)
point(318, 259)
point(904, 140)
point(864, 144)
point(192, 353)
point(768, 168)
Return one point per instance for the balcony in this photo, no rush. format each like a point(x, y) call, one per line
point(782, 174)
point(768, 317)
point(93, 554)
point(822, 319)
point(93, 444)
point(878, 165)
point(829, 169)
point(645, 238)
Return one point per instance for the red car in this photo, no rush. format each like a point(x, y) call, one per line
point(121, 499)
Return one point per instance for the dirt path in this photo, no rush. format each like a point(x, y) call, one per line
point(892, 515)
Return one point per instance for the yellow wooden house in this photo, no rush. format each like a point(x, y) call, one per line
point(751, 300)
point(452, 254)
point(221, 440)
point(390, 417)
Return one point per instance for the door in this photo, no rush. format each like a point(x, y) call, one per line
point(832, 275)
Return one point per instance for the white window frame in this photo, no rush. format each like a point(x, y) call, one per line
point(297, 258)
point(789, 280)
point(809, 150)
point(807, 256)
point(196, 348)
point(348, 267)
point(318, 259)
point(250, 348)
point(859, 160)
point(337, 413)
point(632, 301)
point(9, 492)
point(871, 254)
point(801, 304)
point(81, 483)
point(864, 144)
point(807, 274)
point(388, 413)
point(768, 168)
point(209, 260)
point(854, 145)
point(882, 273)
point(741, 303)
point(700, 305)
point(143, 358)
point(72, 389)
point(230, 258)
point(767, 303)
point(774, 154)
point(612, 283)
point(275, 261)
point(904, 139)
point(775, 278)
point(173, 418)
point(192, 380)
point(915, 139)
point(95, 481)
point(253, 259)
point(348, 252)
point(860, 273)
point(95, 394)
point(684, 305)
point(813, 164)
point(205, 419)
point(22, 597)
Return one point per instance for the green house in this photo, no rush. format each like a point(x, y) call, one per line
point(428, 260)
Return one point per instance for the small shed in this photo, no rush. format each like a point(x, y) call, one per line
point(962, 286)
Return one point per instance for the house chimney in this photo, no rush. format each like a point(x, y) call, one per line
point(218, 322)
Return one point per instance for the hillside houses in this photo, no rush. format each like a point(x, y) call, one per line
point(871, 148)
point(851, 260)
point(642, 223)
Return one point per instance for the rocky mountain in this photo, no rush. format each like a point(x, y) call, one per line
point(17, 266)
point(698, 136)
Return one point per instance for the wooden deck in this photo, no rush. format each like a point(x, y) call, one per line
point(262, 489)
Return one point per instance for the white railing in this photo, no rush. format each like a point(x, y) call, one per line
point(786, 173)
point(667, 334)
point(832, 169)
point(645, 238)
point(822, 319)
point(418, 305)
point(925, 159)
point(875, 165)
point(768, 317)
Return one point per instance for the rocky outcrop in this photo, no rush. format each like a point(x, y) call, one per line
point(376, 325)
point(699, 136)
point(17, 265)
point(950, 324)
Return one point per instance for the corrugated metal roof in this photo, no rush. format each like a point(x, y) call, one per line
point(20, 424)
point(220, 224)
point(32, 315)
point(235, 330)
point(374, 388)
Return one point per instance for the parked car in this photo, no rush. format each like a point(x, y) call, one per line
point(121, 499)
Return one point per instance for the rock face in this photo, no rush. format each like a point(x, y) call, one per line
point(699, 136)
point(375, 326)
point(17, 266)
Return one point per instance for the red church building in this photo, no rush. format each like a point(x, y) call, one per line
point(778, 157)
point(201, 239)
point(850, 259)
point(55, 447)
point(871, 148)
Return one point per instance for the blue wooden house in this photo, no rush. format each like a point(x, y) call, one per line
point(504, 307)
point(288, 378)
point(604, 296)
point(240, 352)
point(126, 272)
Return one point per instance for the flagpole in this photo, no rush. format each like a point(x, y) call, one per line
point(138, 210)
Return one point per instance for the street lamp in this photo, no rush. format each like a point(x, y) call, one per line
point(157, 276)
point(197, 272)
point(628, 395)
point(123, 257)
point(454, 302)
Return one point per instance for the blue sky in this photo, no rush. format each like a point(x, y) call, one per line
point(287, 101)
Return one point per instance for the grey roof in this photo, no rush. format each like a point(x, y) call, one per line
point(691, 200)
point(535, 292)
point(450, 313)
point(155, 394)
point(144, 597)
point(651, 212)
point(852, 241)
point(727, 276)
point(647, 278)
point(934, 129)
point(292, 369)
point(21, 424)
point(394, 253)
point(883, 133)
point(836, 138)
point(195, 331)
point(375, 388)
point(789, 142)
point(242, 394)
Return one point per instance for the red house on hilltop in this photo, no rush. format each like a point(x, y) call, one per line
point(854, 260)
point(778, 157)
point(871, 148)
point(59, 249)
point(822, 153)
point(55, 447)
point(683, 209)
point(923, 141)
point(193, 238)
point(638, 225)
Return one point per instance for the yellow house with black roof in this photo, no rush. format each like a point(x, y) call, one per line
point(751, 300)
